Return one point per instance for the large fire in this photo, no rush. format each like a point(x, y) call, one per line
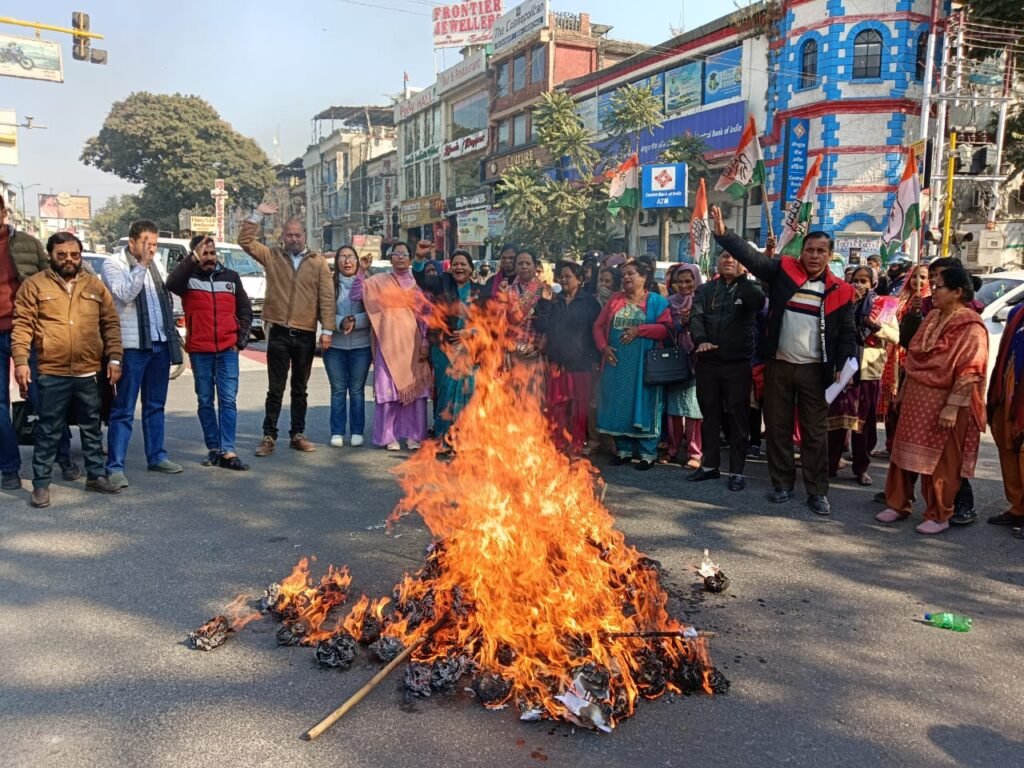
point(529, 588)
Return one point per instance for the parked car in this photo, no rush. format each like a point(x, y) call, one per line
point(1000, 292)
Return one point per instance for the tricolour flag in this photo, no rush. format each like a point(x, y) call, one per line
point(625, 189)
point(905, 214)
point(797, 218)
point(746, 169)
point(700, 230)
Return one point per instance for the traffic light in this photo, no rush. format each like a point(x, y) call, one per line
point(80, 47)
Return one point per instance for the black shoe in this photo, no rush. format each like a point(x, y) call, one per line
point(779, 495)
point(737, 482)
point(643, 465)
point(754, 452)
point(234, 463)
point(1005, 518)
point(617, 461)
point(819, 505)
point(11, 481)
point(70, 471)
point(703, 474)
point(880, 497)
point(963, 516)
point(212, 459)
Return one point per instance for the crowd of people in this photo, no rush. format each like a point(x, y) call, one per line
point(818, 359)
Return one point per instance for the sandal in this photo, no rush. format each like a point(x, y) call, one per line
point(864, 479)
point(234, 463)
point(212, 459)
point(693, 464)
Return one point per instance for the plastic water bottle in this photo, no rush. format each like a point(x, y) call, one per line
point(953, 621)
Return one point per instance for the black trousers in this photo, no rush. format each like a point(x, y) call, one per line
point(60, 396)
point(788, 386)
point(724, 386)
point(288, 349)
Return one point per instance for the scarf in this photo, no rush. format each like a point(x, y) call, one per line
point(166, 313)
point(392, 302)
point(895, 354)
point(678, 303)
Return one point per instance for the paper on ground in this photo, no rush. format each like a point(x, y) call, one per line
point(845, 376)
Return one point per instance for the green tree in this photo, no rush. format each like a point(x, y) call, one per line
point(111, 220)
point(176, 146)
point(1006, 11)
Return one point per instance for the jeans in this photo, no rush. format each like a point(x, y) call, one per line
point(64, 443)
point(10, 457)
point(216, 373)
point(295, 349)
point(147, 372)
point(59, 396)
point(347, 370)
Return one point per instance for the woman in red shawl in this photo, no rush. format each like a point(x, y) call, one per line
point(1006, 416)
point(915, 288)
point(941, 406)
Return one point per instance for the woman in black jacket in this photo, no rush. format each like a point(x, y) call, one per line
point(572, 357)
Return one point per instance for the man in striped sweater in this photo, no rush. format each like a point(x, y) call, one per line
point(809, 334)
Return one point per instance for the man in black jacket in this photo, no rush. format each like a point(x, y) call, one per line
point(721, 326)
point(809, 335)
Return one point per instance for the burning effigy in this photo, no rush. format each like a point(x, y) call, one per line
point(528, 595)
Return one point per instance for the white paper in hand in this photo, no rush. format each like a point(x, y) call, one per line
point(845, 376)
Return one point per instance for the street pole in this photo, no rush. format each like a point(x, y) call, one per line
point(948, 218)
point(1000, 139)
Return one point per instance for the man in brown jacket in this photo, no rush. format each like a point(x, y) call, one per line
point(69, 317)
point(300, 291)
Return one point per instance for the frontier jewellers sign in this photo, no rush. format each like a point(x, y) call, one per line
point(459, 24)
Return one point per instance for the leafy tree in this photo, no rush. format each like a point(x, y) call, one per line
point(176, 146)
point(111, 220)
point(1013, 146)
point(1007, 11)
point(562, 133)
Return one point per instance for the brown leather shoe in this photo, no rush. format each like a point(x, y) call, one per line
point(101, 484)
point(266, 446)
point(300, 443)
point(40, 498)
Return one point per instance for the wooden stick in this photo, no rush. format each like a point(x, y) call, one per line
point(359, 695)
point(768, 209)
point(669, 633)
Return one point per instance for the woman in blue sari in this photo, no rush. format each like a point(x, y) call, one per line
point(631, 323)
point(455, 291)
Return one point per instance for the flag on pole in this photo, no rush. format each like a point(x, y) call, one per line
point(700, 229)
point(797, 218)
point(905, 214)
point(746, 169)
point(405, 77)
point(625, 188)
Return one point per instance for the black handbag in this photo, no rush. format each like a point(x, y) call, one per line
point(668, 365)
point(24, 418)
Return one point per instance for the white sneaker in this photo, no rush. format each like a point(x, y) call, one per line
point(414, 445)
point(357, 440)
point(393, 446)
point(338, 441)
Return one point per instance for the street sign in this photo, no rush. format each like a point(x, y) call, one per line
point(663, 186)
point(8, 137)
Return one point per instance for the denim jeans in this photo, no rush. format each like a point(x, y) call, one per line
point(59, 396)
point(347, 370)
point(10, 456)
point(216, 373)
point(288, 349)
point(147, 372)
point(64, 443)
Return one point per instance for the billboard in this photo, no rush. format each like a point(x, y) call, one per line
point(8, 137)
point(464, 71)
point(520, 22)
point(65, 206)
point(30, 58)
point(720, 127)
point(473, 227)
point(459, 24)
point(723, 76)
point(682, 88)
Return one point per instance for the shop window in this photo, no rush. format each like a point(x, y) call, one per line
point(469, 115)
point(436, 186)
point(867, 55)
point(921, 59)
point(539, 64)
point(519, 72)
point(809, 64)
point(501, 79)
point(519, 130)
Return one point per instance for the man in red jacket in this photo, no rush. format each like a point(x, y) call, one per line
point(218, 315)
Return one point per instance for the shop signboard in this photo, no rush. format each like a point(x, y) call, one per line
point(862, 244)
point(519, 23)
point(663, 186)
point(798, 140)
point(417, 102)
point(462, 72)
point(465, 145)
point(473, 227)
point(723, 76)
point(719, 127)
point(459, 24)
point(419, 211)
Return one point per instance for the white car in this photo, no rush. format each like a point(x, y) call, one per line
point(1000, 292)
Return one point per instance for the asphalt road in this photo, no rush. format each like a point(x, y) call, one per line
point(820, 632)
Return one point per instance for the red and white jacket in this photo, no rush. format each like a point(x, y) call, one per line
point(218, 313)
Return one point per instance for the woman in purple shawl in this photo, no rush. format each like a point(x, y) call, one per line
point(684, 417)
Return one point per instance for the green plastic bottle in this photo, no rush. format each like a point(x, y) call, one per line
point(953, 621)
